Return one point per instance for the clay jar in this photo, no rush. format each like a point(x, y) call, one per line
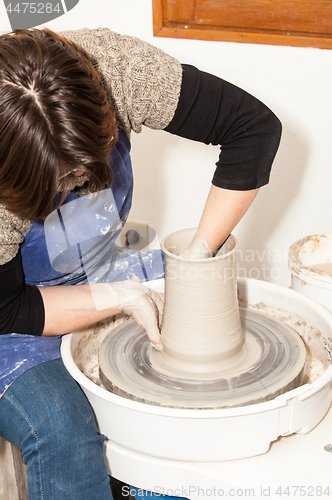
point(201, 329)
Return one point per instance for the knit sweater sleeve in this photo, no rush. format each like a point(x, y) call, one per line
point(12, 232)
point(141, 81)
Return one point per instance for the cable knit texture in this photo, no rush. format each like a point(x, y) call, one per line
point(142, 83)
point(12, 232)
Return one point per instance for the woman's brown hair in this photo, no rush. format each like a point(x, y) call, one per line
point(54, 118)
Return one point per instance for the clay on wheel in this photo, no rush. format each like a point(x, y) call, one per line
point(126, 370)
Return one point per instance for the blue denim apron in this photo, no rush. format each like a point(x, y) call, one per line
point(74, 245)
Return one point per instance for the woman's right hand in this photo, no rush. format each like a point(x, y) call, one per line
point(197, 249)
point(142, 304)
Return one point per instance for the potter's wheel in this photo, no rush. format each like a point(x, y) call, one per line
point(272, 362)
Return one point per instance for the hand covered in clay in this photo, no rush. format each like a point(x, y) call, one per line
point(142, 304)
point(198, 249)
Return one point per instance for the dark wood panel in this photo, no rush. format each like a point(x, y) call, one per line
point(296, 15)
point(180, 11)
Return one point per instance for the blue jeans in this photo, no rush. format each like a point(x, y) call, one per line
point(46, 414)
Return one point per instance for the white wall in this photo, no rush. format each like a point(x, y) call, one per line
point(172, 175)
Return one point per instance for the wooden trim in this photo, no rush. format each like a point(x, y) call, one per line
point(164, 28)
point(157, 16)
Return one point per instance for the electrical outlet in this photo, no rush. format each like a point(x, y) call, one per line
point(134, 235)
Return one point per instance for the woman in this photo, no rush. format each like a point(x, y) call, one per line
point(67, 107)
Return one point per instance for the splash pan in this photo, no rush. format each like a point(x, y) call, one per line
point(203, 435)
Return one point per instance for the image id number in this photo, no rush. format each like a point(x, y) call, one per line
point(303, 491)
point(33, 8)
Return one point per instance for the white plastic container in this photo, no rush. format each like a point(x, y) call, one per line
point(223, 434)
point(313, 282)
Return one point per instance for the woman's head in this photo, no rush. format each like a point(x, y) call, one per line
point(54, 118)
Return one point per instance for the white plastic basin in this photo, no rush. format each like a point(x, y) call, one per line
point(224, 434)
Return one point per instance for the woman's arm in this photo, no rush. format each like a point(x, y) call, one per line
point(68, 308)
point(56, 310)
point(224, 208)
point(213, 111)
